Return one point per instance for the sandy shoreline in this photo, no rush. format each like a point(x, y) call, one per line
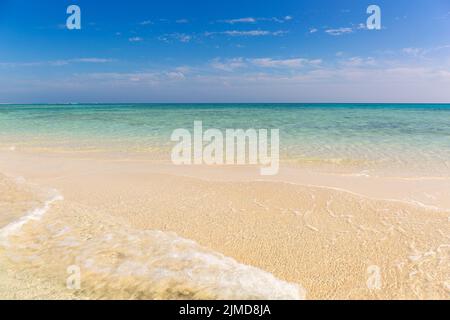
point(326, 239)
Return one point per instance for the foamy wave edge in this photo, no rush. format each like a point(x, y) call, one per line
point(162, 265)
point(176, 267)
point(34, 214)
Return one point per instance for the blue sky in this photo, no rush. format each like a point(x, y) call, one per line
point(224, 51)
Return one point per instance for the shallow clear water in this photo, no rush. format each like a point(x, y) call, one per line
point(396, 135)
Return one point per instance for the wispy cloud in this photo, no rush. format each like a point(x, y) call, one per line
point(180, 37)
point(271, 78)
point(339, 31)
point(237, 63)
point(55, 63)
point(240, 20)
point(146, 22)
point(346, 30)
point(422, 52)
point(20, 64)
point(92, 60)
point(443, 17)
point(248, 33)
point(354, 62)
point(151, 22)
point(284, 63)
point(228, 64)
point(255, 20)
point(413, 51)
point(131, 78)
point(135, 39)
point(357, 83)
point(175, 75)
point(361, 26)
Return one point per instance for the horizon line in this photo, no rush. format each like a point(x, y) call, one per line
point(208, 102)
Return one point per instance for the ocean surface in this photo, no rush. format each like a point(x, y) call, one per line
point(367, 136)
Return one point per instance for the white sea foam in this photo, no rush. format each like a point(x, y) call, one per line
point(161, 265)
point(127, 263)
point(34, 214)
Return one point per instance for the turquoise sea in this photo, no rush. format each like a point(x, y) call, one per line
point(365, 135)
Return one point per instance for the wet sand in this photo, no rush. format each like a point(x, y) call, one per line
point(128, 224)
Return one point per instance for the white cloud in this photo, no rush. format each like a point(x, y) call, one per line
point(135, 39)
point(361, 26)
point(22, 64)
point(439, 48)
point(284, 63)
point(56, 63)
point(332, 84)
point(359, 62)
point(249, 33)
point(412, 51)
point(313, 30)
point(146, 22)
point(184, 69)
point(424, 52)
point(339, 31)
point(124, 78)
point(388, 81)
point(228, 64)
point(175, 75)
point(346, 30)
point(255, 20)
point(184, 37)
point(181, 37)
point(240, 20)
point(92, 60)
